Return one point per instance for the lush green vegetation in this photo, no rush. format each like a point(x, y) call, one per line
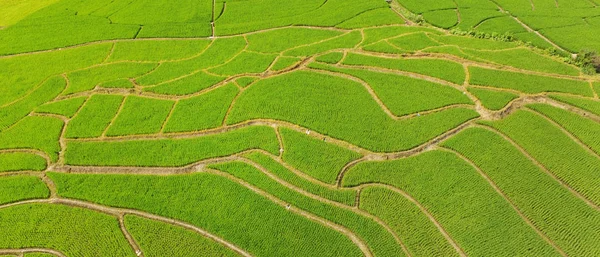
point(442, 182)
point(95, 116)
point(353, 116)
point(300, 128)
point(379, 241)
point(140, 115)
point(407, 220)
point(566, 159)
point(19, 188)
point(314, 156)
point(237, 214)
point(202, 112)
point(71, 230)
point(531, 84)
point(170, 152)
point(18, 161)
point(160, 239)
point(39, 133)
point(564, 218)
point(446, 70)
point(491, 99)
point(344, 196)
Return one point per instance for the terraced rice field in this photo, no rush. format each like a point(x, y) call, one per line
point(298, 128)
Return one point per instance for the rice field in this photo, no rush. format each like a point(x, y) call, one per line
point(299, 128)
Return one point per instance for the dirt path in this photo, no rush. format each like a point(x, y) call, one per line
point(22, 251)
point(507, 199)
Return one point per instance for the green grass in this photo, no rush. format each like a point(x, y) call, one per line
point(554, 150)
point(531, 84)
point(246, 81)
point(19, 188)
point(383, 47)
point(468, 208)
point(493, 100)
point(27, 71)
point(373, 35)
point(333, 57)
point(219, 52)
point(315, 157)
point(347, 197)
point(16, 10)
point(526, 59)
point(413, 42)
point(587, 104)
point(246, 62)
point(279, 40)
point(170, 152)
point(582, 128)
point(162, 50)
point(118, 83)
point(405, 95)
point(202, 112)
point(284, 62)
point(347, 40)
point(472, 43)
point(561, 216)
point(237, 215)
point(39, 133)
point(419, 234)
point(70, 230)
point(88, 79)
point(19, 161)
point(443, 18)
point(187, 85)
point(371, 18)
point(446, 70)
point(380, 242)
point(353, 116)
point(158, 239)
point(66, 108)
point(47, 91)
point(140, 115)
point(94, 117)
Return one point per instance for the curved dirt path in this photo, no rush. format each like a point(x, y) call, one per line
point(23, 251)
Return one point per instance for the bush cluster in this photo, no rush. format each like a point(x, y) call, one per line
point(506, 37)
